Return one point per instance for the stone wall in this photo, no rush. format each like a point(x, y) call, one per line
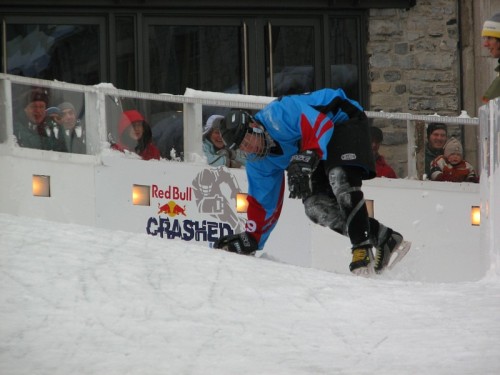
point(414, 67)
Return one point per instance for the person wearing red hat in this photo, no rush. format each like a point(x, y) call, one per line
point(135, 136)
point(491, 41)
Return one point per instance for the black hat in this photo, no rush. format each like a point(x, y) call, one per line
point(435, 126)
point(37, 94)
point(234, 127)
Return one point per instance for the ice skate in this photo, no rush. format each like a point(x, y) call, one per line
point(390, 252)
point(361, 264)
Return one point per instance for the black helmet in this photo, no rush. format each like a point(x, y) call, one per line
point(234, 127)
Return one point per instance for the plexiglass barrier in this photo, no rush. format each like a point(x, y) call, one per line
point(77, 119)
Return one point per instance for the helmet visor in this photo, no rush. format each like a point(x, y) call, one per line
point(255, 143)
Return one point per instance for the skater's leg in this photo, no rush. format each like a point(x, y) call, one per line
point(345, 183)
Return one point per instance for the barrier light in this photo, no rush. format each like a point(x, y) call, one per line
point(241, 203)
point(41, 186)
point(370, 207)
point(140, 195)
point(475, 215)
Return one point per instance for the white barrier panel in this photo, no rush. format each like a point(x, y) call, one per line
point(490, 181)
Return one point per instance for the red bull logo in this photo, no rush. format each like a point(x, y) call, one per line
point(171, 209)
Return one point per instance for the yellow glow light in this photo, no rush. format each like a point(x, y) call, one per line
point(241, 203)
point(140, 195)
point(475, 215)
point(41, 186)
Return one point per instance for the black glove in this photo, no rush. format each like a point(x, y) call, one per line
point(300, 170)
point(241, 243)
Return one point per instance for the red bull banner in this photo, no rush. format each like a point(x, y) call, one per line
point(180, 209)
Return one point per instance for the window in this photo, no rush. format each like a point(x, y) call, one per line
point(69, 50)
point(199, 57)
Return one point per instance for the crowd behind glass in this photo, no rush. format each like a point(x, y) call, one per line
point(54, 120)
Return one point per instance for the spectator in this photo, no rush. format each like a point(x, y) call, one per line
point(437, 134)
point(451, 166)
point(32, 128)
point(135, 136)
point(382, 168)
point(73, 129)
point(213, 146)
point(491, 41)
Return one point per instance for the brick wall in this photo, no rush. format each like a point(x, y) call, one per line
point(414, 67)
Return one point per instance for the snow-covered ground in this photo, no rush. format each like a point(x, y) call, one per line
point(79, 300)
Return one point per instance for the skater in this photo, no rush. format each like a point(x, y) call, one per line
point(322, 139)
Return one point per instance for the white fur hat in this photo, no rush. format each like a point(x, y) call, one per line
point(212, 122)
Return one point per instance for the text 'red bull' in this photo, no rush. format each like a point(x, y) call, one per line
point(172, 192)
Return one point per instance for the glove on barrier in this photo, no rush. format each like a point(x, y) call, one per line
point(300, 169)
point(241, 243)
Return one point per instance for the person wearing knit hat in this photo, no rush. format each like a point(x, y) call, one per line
point(491, 41)
point(215, 150)
point(33, 127)
point(453, 149)
point(451, 166)
point(73, 129)
point(437, 134)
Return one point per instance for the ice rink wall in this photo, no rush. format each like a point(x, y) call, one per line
point(190, 201)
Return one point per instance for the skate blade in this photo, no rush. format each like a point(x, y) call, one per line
point(364, 272)
point(401, 251)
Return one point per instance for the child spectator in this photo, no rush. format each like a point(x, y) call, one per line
point(451, 166)
point(213, 146)
point(382, 168)
point(135, 136)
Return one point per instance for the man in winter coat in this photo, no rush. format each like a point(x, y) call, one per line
point(33, 129)
point(437, 135)
point(73, 129)
point(322, 139)
point(135, 136)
